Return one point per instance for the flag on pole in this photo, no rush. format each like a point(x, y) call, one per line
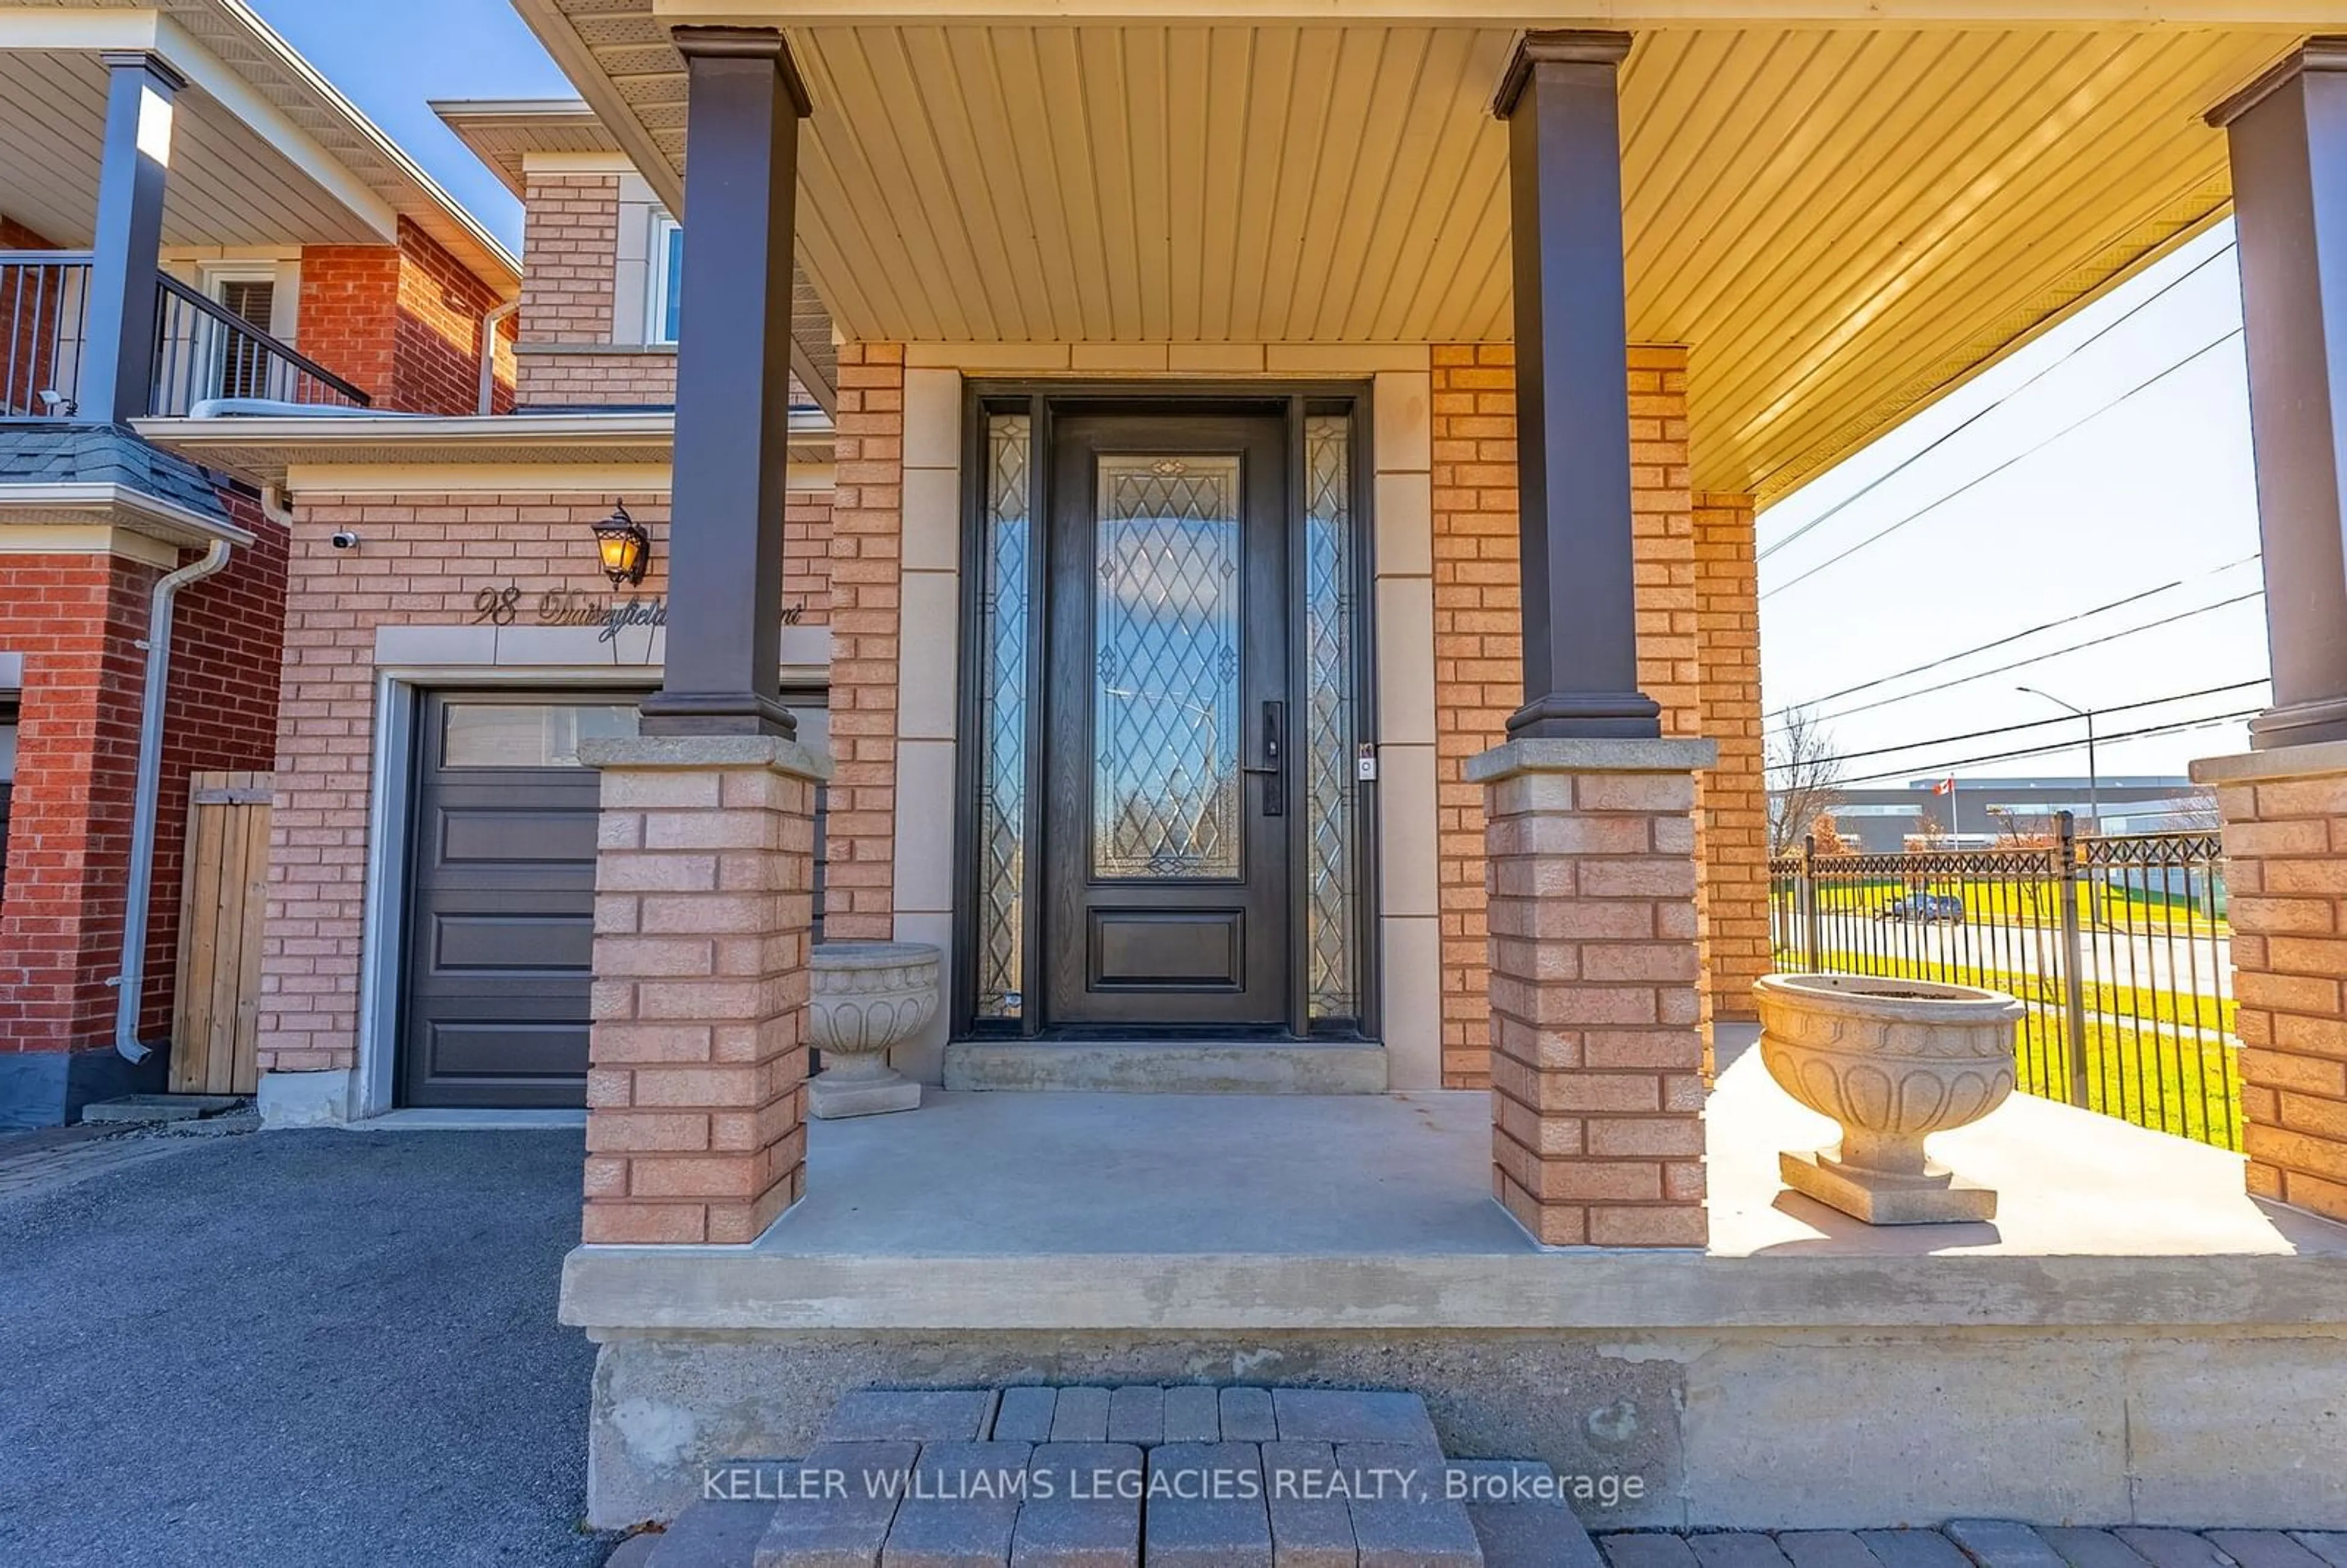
point(1945, 786)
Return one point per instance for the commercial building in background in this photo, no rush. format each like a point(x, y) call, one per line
point(1882, 819)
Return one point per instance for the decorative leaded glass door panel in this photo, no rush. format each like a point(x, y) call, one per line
point(1172, 796)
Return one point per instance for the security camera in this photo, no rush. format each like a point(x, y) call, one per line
point(56, 404)
point(345, 541)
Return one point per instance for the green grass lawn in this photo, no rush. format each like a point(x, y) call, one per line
point(2035, 902)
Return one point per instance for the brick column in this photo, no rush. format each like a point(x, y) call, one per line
point(2286, 876)
point(867, 528)
point(1596, 1043)
point(1734, 820)
point(696, 1119)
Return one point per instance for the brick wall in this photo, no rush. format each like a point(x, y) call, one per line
point(1478, 645)
point(568, 294)
point(403, 323)
point(424, 559)
point(1734, 820)
point(2286, 872)
point(867, 528)
point(620, 378)
point(15, 236)
point(76, 619)
point(570, 233)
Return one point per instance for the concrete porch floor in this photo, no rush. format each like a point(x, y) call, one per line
point(2134, 1341)
point(1220, 1210)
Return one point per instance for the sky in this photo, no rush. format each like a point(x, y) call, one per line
point(478, 49)
point(2109, 457)
point(1995, 516)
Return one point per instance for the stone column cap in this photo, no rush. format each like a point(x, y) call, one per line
point(2281, 762)
point(664, 752)
point(1549, 756)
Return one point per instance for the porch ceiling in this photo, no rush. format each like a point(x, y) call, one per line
point(1841, 221)
point(228, 185)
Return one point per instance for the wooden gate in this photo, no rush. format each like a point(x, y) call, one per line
point(215, 1024)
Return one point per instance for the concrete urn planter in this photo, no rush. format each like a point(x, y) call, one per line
point(1893, 1060)
point(863, 999)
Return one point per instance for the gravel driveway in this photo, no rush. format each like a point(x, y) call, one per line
point(305, 1350)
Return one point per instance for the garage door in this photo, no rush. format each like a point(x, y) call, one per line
point(501, 895)
point(501, 899)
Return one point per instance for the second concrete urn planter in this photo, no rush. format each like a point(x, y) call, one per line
point(1893, 1060)
point(863, 999)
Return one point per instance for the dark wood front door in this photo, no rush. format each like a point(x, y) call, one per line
point(501, 899)
point(1169, 796)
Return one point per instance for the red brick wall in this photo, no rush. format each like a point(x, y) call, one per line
point(1478, 645)
point(73, 619)
point(76, 619)
point(403, 323)
point(15, 236)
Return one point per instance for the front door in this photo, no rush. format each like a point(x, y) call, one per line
point(1170, 799)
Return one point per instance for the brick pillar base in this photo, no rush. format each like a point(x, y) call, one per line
point(696, 1100)
point(1597, 1042)
point(2286, 878)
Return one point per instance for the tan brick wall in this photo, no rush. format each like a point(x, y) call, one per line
point(1477, 645)
point(696, 1121)
point(867, 523)
point(570, 288)
point(570, 234)
point(2286, 873)
point(1597, 1098)
point(1734, 820)
point(646, 376)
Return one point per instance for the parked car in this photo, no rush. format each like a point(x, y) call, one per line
point(1932, 908)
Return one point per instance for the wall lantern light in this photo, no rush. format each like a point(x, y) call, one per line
point(626, 549)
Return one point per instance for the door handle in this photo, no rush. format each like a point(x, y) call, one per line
point(1275, 760)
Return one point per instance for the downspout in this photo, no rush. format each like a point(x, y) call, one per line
point(131, 983)
point(489, 324)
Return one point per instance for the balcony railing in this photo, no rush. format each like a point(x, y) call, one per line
point(202, 350)
point(45, 315)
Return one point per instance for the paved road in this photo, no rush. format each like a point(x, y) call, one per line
point(2200, 963)
point(295, 1350)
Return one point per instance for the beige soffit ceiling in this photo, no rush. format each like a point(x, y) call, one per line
point(1841, 218)
point(502, 132)
point(231, 32)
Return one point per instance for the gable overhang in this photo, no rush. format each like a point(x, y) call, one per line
point(1844, 209)
point(266, 151)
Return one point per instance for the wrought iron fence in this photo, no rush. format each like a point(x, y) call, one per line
point(44, 313)
point(203, 350)
point(2119, 945)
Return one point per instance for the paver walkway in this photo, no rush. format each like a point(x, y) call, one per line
point(1148, 1477)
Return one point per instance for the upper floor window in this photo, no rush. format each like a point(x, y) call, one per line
point(667, 293)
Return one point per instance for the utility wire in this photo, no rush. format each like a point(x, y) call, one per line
point(2028, 724)
point(2041, 658)
point(2013, 637)
point(2178, 727)
point(2072, 353)
point(1979, 479)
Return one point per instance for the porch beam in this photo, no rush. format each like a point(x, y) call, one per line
point(126, 248)
point(2287, 138)
point(733, 392)
point(1573, 403)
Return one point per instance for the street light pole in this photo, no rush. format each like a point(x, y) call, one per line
point(2093, 787)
